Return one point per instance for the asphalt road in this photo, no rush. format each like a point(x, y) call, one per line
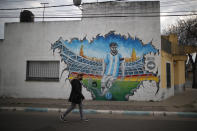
point(43, 121)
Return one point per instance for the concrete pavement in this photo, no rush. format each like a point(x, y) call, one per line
point(183, 104)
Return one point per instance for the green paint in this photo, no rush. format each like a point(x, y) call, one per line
point(119, 89)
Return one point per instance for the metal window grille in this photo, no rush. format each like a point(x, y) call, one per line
point(168, 75)
point(42, 71)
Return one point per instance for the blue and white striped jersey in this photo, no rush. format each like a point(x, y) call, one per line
point(113, 64)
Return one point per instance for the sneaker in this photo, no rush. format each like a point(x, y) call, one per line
point(62, 118)
point(86, 120)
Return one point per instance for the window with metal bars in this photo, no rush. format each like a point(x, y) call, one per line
point(42, 71)
point(168, 75)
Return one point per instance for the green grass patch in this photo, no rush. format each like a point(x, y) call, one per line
point(119, 89)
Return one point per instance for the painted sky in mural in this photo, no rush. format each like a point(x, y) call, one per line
point(98, 46)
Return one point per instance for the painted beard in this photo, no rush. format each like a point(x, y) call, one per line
point(114, 52)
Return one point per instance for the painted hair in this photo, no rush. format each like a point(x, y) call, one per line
point(80, 74)
point(113, 44)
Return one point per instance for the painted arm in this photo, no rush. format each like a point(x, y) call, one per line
point(104, 68)
point(105, 61)
point(122, 67)
point(121, 59)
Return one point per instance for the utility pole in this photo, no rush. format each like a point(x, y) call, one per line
point(43, 10)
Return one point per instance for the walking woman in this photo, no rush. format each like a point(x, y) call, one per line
point(76, 97)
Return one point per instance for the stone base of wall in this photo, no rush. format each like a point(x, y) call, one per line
point(188, 84)
point(179, 88)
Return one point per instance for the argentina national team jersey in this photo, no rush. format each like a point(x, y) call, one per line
point(113, 64)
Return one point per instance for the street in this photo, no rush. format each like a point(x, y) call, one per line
point(49, 121)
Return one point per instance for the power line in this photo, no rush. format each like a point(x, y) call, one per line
point(125, 16)
point(119, 13)
point(43, 9)
point(171, 5)
point(179, 1)
point(71, 5)
point(37, 7)
point(78, 15)
point(51, 17)
point(16, 1)
point(180, 11)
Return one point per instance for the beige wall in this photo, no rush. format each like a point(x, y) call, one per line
point(179, 70)
point(179, 79)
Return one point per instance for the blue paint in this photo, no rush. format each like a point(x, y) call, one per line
point(89, 111)
point(108, 95)
point(99, 46)
point(187, 114)
point(146, 113)
point(36, 109)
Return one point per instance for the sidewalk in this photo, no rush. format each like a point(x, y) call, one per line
point(183, 102)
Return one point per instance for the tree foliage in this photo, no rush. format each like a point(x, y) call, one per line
point(26, 16)
point(186, 30)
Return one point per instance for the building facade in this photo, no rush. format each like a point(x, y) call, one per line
point(116, 45)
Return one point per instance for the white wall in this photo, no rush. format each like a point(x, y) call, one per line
point(32, 41)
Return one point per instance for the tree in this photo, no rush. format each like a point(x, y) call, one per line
point(186, 30)
point(26, 16)
point(193, 64)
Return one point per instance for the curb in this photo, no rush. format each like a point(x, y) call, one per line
point(92, 111)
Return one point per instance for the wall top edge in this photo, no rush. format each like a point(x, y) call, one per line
point(124, 7)
point(118, 2)
point(41, 22)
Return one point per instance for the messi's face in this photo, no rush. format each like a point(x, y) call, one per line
point(114, 50)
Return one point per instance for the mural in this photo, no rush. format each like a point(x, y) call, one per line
point(115, 67)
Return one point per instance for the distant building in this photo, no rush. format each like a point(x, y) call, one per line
point(174, 53)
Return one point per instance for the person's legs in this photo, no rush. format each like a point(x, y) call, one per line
point(81, 112)
point(73, 105)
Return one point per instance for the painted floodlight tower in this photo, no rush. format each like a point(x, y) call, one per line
point(115, 66)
